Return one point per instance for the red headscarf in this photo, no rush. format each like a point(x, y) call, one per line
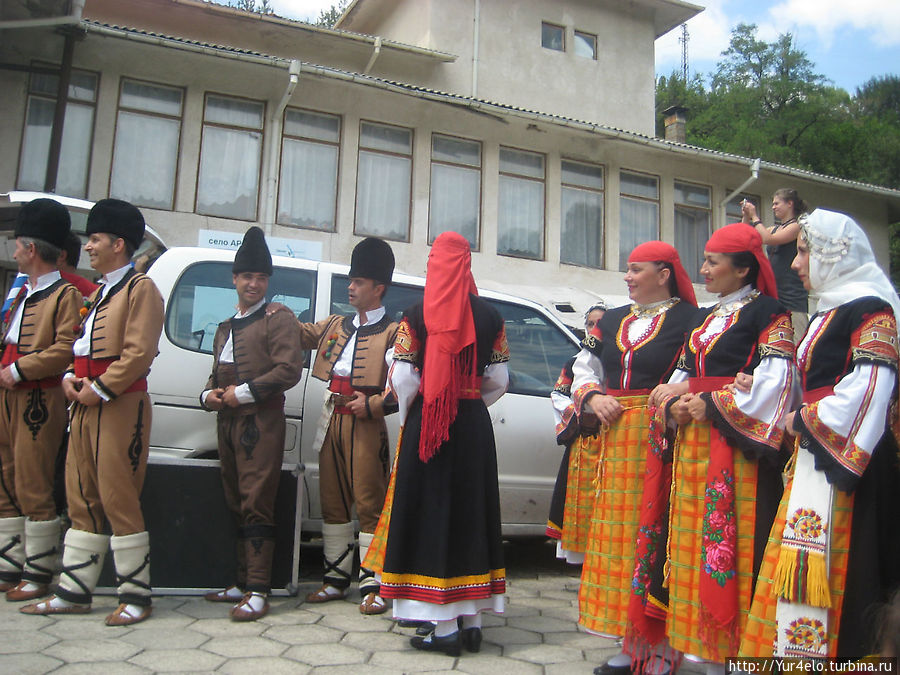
point(450, 330)
point(660, 251)
point(739, 237)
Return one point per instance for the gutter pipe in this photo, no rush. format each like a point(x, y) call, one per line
point(272, 163)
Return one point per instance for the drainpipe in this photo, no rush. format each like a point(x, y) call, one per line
point(754, 174)
point(268, 220)
point(375, 52)
point(475, 33)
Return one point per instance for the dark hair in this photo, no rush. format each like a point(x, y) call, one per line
point(73, 249)
point(673, 283)
point(792, 196)
point(745, 259)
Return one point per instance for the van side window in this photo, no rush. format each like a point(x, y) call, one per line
point(204, 296)
point(397, 300)
point(537, 349)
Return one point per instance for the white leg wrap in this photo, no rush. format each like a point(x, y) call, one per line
point(81, 565)
point(367, 581)
point(338, 543)
point(41, 550)
point(132, 556)
point(12, 548)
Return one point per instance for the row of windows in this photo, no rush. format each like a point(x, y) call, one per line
point(553, 37)
point(147, 143)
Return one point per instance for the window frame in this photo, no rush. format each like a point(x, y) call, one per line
point(221, 125)
point(562, 31)
point(43, 68)
point(476, 246)
point(638, 198)
point(138, 111)
point(543, 181)
point(359, 150)
point(602, 192)
point(336, 144)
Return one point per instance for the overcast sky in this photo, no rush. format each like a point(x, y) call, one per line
point(849, 42)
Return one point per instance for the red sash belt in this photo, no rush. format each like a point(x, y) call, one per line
point(342, 392)
point(814, 395)
point(94, 368)
point(628, 392)
point(11, 355)
point(703, 384)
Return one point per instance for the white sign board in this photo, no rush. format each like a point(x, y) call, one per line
point(288, 248)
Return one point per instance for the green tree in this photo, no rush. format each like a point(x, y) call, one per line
point(328, 17)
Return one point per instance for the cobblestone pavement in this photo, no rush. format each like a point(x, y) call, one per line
point(538, 633)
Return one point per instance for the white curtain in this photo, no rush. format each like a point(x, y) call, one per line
point(144, 160)
point(455, 201)
point(383, 196)
point(520, 222)
point(75, 151)
point(691, 235)
point(638, 222)
point(229, 173)
point(582, 227)
point(308, 185)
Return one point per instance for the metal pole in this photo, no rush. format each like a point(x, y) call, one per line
point(59, 116)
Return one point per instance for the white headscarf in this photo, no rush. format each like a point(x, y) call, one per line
point(842, 266)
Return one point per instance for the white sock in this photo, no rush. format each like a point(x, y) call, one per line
point(619, 660)
point(256, 601)
point(445, 628)
point(135, 610)
point(657, 665)
point(30, 586)
point(332, 590)
point(57, 602)
point(471, 621)
point(233, 593)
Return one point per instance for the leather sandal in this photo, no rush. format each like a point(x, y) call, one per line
point(18, 594)
point(44, 608)
point(243, 611)
point(122, 617)
point(372, 604)
point(323, 595)
point(223, 596)
point(7, 586)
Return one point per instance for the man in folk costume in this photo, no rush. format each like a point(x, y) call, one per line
point(110, 423)
point(833, 554)
point(351, 356)
point(38, 331)
point(257, 358)
point(443, 558)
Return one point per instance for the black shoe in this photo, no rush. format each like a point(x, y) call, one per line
point(607, 669)
point(411, 623)
point(425, 628)
point(449, 645)
point(471, 638)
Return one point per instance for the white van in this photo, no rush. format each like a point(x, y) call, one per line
point(183, 487)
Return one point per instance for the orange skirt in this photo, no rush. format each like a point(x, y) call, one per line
point(686, 540)
point(375, 557)
point(605, 591)
point(583, 455)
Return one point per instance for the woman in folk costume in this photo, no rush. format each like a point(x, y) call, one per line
point(726, 472)
point(569, 506)
point(632, 349)
point(833, 552)
point(443, 557)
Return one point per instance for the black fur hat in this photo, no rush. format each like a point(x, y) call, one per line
point(119, 218)
point(373, 259)
point(44, 219)
point(253, 255)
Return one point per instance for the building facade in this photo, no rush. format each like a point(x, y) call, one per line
point(525, 126)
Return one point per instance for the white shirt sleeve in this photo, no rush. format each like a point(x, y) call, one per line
point(587, 369)
point(858, 409)
point(404, 380)
point(494, 383)
point(770, 394)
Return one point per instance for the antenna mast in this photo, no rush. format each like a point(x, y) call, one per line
point(684, 51)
